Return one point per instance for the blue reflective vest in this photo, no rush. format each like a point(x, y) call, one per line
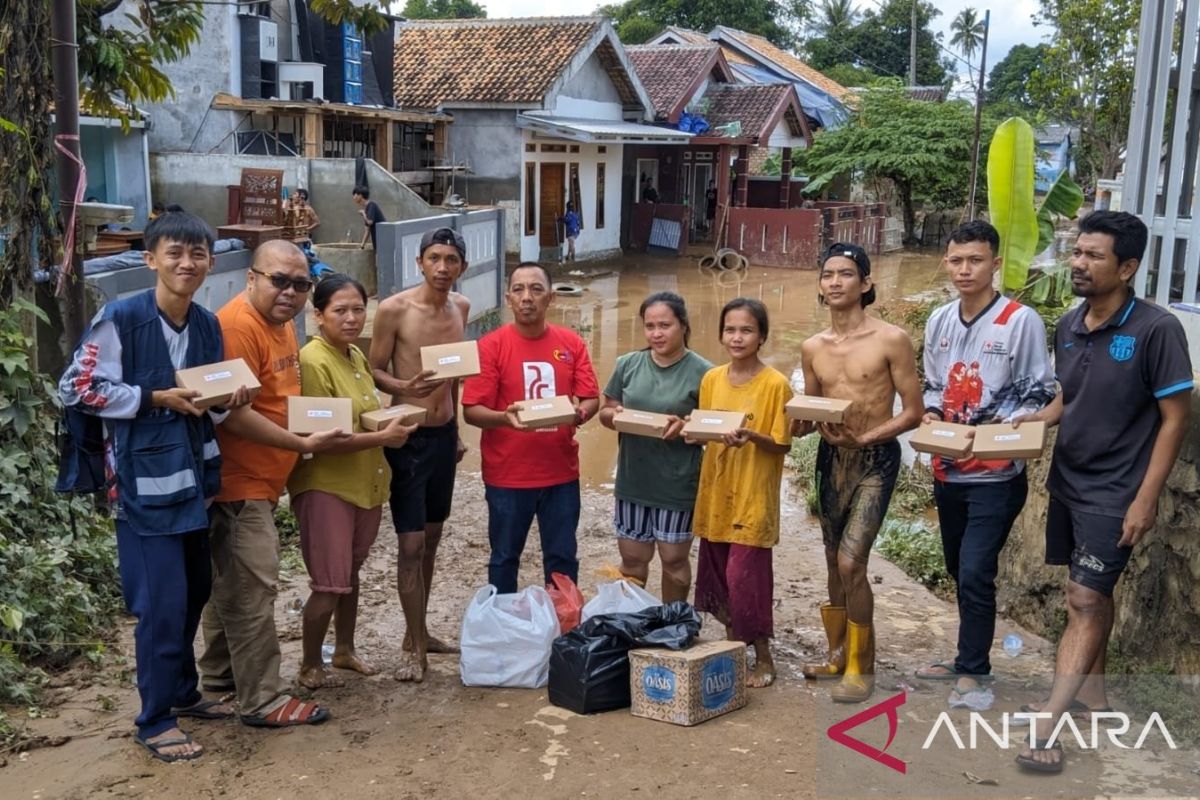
point(168, 464)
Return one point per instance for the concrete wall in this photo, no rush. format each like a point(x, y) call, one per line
point(1158, 599)
point(490, 144)
point(588, 94)
point(117, 167)
point(198, 183)
point(185, 123)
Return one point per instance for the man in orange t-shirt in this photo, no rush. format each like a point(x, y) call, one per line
point(241, 645)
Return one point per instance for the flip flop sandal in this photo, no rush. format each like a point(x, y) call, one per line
point(203, 710)
point(293, 712)
point(219, 688)
point(1033, 765)
point(154, 748)
point(950, 674)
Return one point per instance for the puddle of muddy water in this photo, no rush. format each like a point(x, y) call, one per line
point(606, 316)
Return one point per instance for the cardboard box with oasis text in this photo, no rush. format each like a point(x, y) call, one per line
point(710, 426)
point(407, 414)
point(942, 438)
point(641, 423)
point(216, 383)
point(547, 412)
point(1003, 441)
point(454, 360)
point(816, 409)
point(317, 414)
point(687, 687)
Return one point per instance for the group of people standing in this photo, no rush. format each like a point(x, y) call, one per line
point(195, 490)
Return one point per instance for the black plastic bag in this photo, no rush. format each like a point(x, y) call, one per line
point(589, 666)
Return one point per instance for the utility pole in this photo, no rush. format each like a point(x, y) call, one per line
point(66, 136)
point(912, 47)
point(987, 20)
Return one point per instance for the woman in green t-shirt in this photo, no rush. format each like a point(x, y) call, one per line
point(338, 495)
point(656, 478)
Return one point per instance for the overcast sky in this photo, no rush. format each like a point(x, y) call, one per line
point(1011, 21)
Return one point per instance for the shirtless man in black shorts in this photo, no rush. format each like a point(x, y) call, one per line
point(423, 469)
point(868, 362)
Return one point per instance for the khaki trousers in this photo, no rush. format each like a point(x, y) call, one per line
point(241, 645)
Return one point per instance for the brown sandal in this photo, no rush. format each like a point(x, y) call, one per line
point(293, 712)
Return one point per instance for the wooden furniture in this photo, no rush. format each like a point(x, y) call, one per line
point(252, 235)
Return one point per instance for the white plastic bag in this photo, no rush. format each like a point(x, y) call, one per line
point(618, 597)
point(506, 638)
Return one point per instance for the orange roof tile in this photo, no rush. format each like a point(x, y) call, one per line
point(503, 61)
point(786, 60)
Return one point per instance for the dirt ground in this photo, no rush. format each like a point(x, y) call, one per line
point(441, 739)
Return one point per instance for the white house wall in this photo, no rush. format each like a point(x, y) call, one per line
point(590, 241)
point(589, 93)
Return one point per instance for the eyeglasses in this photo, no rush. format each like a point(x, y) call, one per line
point(282, 282)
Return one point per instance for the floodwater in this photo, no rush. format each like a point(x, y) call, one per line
point(606, 316)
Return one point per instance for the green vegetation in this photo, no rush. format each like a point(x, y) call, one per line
point(60, 593)
point(291, 561)
point(877, 40)
point(637, 21)
point(442, 9)
point(915, 548)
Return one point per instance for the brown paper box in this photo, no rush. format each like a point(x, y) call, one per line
point(942, 438)
point(316, 414)
point(407, 413)
point(217, 382)
point(687, 687)
point(1004, 441)
point(641, 423)
point(816, 409)
point(454, 360)
point(546, 412)
point(710, 426)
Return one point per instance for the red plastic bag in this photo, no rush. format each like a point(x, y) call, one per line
point(568, 601)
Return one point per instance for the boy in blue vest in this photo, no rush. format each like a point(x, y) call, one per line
point(163, 466)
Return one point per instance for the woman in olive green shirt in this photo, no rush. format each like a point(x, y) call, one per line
point(338, 495)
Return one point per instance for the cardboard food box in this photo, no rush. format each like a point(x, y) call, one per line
point(547, 412)
point(316, 414)
point(942, 438)
point(687, 687)
point(641, 423)
point(816, 409)
point(1004, 441)
point(454, 360)
point(217, 382)
point(407, 413)
point(710, 426)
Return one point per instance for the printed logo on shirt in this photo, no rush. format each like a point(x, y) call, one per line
point(995, 349)
point(539, 379)
point(944, 344)
point(1121, 348)
point(562, 356)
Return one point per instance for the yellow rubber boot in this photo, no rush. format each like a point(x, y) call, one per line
point(834, 620)
point(858, 682)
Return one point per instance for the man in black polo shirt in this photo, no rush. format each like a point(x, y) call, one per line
point(1122, 413)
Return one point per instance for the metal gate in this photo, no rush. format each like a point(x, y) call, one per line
point(483, 231)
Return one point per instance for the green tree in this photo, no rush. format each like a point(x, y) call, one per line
point(1008, 82)
point(924, 149)
point(776, 20)
point(442, 9)
point(967, 28)
point(850, 76)
point(835, 17)
point(880, 43)
point(1086, 77)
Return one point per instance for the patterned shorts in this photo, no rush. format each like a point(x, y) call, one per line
point(648, 524)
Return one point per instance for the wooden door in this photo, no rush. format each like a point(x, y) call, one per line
point(550, 203)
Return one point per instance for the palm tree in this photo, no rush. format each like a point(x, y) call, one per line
point(968, 32)
point(836, 16)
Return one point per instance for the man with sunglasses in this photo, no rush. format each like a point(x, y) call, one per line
point(241, 651)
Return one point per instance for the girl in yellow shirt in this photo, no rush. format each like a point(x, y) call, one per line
point(737, 505)
point(338, 495)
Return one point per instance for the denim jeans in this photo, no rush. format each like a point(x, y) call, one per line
point(975, 520)
point(511, 512)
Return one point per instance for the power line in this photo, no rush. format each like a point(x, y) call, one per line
point(933, 38)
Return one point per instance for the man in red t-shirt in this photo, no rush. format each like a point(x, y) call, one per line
point(530, 472)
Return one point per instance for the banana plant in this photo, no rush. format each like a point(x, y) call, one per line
point(1025, 229)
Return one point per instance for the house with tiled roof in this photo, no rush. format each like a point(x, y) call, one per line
point(544, 110)
point(755, 59)
point(699, 182)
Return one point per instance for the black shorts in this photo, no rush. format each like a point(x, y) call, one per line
point(854, 487)
point(423, 477)
point(1088, 542)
